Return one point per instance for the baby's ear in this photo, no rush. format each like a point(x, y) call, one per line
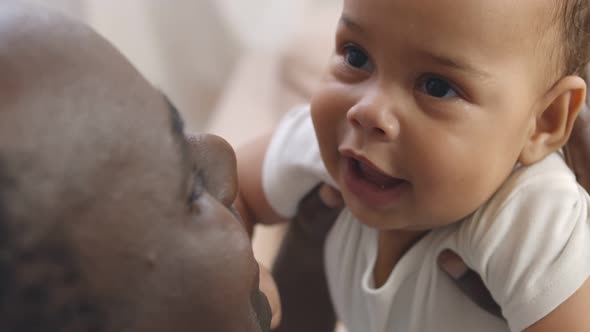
point(555, 119)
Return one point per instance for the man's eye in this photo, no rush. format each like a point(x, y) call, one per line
point(197, 187)
point(437, 88)
point(194, 195)
point(357, 58)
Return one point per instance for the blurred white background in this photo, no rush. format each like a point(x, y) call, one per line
point(191, 49)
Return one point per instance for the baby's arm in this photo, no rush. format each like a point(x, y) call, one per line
point(251, 201)
point(571, 316)
point(276, 172)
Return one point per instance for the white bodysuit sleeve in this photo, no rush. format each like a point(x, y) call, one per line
point(292, 165)
point(531, 242)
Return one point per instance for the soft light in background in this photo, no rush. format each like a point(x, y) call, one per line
point(192, 48)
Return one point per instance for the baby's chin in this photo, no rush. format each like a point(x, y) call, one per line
point(391, 221)
point(379, 220)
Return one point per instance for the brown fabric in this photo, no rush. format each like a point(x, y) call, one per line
point(577, 150)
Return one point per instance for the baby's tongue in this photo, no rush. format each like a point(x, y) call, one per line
point(375, 177)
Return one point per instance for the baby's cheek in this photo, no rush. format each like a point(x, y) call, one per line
point(328, 144)
point(452, 196)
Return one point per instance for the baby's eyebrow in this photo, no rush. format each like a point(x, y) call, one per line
point(454, 63)
point(350, 24)
point(443, 60)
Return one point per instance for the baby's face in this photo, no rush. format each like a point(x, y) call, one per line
point(426, 105)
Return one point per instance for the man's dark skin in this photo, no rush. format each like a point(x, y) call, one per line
point(299, 267)
point(110, 220)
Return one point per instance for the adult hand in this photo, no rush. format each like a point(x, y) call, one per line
point(299, 268)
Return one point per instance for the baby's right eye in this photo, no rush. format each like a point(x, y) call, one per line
point(357, 58)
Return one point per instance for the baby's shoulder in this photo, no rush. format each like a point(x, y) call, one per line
point(533, 199)
point(530, 243)
point(544, 178)
point(549, 180)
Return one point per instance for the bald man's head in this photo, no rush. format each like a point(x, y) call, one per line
point(62, 82)
point(111, 219)
point(70, 107)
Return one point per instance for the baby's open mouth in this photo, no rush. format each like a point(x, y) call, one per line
point(374, 176)
point(370, 185)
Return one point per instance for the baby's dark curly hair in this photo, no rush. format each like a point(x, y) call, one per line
point(575, 35)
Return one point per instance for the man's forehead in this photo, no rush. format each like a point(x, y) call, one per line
point(79, 103)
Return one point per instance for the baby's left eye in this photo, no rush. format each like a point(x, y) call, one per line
point(357, 58)
point(437, 88)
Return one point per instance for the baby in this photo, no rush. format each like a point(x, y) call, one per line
point(441, 123)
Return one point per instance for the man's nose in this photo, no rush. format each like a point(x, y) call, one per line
point(375, 116)
point(215, 162)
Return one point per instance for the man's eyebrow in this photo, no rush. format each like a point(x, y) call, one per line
point(350, 24)
point(178, 129)
point(175, 119)
point(455, 63)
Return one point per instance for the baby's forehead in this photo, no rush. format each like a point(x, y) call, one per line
point(529, 30)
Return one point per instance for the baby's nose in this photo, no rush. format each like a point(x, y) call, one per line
point(375, 116)
point(215, 162)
